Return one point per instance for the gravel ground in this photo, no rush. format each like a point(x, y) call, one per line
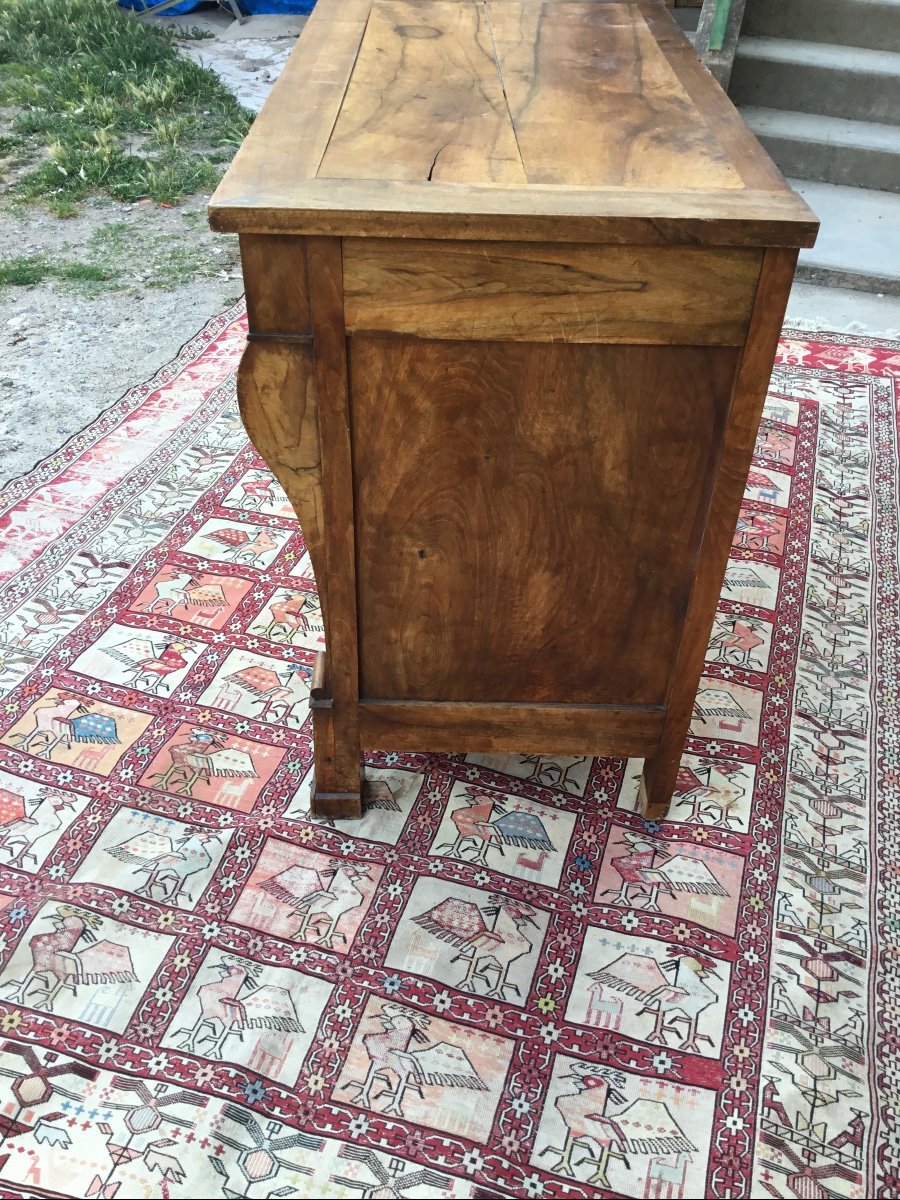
point(68, 352)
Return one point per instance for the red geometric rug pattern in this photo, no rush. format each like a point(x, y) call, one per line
point(502, 981)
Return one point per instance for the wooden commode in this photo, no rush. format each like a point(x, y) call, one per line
point(515, 273)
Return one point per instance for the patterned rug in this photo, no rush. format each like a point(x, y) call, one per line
point(502, 982)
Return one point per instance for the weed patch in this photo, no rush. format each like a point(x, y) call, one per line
point(102, 103)
point(119, 254)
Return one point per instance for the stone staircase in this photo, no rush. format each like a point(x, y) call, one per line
point(818, 81)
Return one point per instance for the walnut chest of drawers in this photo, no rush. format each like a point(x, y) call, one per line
point(515, 273)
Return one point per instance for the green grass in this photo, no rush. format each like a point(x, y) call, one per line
point(22, 272)
point(35, 268)
point(103, 104)
point(107, 260)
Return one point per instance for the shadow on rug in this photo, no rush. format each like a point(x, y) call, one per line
point(501, 982)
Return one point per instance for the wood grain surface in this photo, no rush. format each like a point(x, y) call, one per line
point(527, 515)
point(529, 292)
point(594, 101)
point(289, 136)
point(510, 728)
point(276, 390)
point(618, 216)
point(423, 118)
point(739, 439)
point(515, 274)
point(275, 284)
point(425, 100)
point(711, 104)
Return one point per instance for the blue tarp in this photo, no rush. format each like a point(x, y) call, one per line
point(185, 6)
point(249, 7)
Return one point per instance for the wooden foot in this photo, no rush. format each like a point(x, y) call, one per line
point(337, 786)
point(653, 795)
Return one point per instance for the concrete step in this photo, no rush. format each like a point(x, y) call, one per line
point(873, 24)
point(859, 242)
point(814, 77)
point(813, 306)
point(829, 149)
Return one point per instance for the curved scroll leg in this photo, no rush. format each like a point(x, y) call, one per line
point(277, 395)
point(292, 390)
point(276, 390)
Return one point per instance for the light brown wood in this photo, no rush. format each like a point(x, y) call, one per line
point(488, 118)
point(744, 414)
point(275, 284)
point(509, 729)
point(425, 101)
point(290, 135)
point(528, 292)
point(595, 102)
point(376, 208)
point(277, 395)
point(517, 504)
point(338, 771)
point(756, 169)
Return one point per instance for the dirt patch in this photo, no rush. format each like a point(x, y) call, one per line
point(69, 350)
point(70, 347)
point(248, 67)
